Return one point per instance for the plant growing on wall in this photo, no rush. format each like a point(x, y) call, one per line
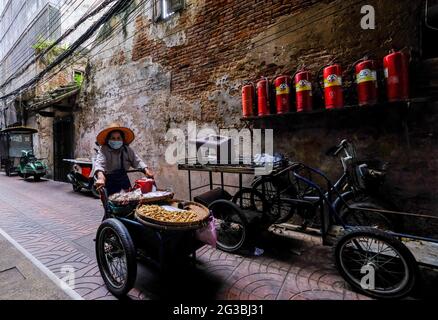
point(78, 78)
point(119, 20)
point(42, 44)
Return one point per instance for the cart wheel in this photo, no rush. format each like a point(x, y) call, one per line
point(231, 226)
point(250, 199)
point(278, 211)
point(116, 257)
point(376, 263)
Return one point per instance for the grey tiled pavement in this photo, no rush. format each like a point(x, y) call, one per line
point(58, 226)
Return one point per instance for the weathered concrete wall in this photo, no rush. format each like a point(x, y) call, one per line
point(43, 141)
point(155, 76)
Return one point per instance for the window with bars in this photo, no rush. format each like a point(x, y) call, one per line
point(164, 9)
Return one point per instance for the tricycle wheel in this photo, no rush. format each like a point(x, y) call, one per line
point(116, 257)
point(37, 178)
point(231, 227)
point(76, 188)
point(250, 199)
point(268, 190)
point(376, 263)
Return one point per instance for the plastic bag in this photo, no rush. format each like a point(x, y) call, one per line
point(208, 234)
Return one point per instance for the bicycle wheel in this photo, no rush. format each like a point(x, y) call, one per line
point(376, 263)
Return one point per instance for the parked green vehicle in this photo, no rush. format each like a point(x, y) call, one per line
point(16, 153)
point(30, 166)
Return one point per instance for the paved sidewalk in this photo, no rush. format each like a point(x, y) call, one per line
point(20, 279)
point(57, 226)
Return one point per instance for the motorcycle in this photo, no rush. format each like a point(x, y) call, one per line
point(30, 166)
point(81, 176)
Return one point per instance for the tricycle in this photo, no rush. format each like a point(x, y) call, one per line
point(17, 154)
point(374, 260)
point(125, 237)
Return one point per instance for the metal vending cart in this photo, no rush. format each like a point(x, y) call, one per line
point(13, 141)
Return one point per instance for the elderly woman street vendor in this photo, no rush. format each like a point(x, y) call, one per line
point(115, 158)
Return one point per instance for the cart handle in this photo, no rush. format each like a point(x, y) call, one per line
point(104, 198)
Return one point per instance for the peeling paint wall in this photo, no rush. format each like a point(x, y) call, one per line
point(157, 76)
point(43, 141)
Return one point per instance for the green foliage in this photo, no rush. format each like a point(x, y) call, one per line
point(42, 44)
point(78, 78)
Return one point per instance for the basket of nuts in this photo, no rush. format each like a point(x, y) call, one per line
point(173, 214)
point(136, 197)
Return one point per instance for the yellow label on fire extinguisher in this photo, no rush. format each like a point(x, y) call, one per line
point(283, 89)
point(333, 80)
point(303, 85)
point(366, 75)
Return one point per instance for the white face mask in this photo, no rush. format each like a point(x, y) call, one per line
point(116, 145)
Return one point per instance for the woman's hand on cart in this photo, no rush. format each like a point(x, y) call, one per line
point(100, 181)
point(149, 173)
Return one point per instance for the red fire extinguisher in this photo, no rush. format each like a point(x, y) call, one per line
point(283, 94)
point(396, 66)
point(333, 91)
point(303, 88)
point(248, 95)
point(263, 97)
point(366, 80)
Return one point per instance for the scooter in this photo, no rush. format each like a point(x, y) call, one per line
point(81, 176)
point(30, 166)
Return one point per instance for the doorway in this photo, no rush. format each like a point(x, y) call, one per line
point(62, 147)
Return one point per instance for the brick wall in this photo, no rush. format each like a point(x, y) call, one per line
point(249, 39)
point(191, 67)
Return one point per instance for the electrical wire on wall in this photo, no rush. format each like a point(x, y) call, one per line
point(61, 67)
point(84, 49)
point(320, 15)
point(69, 31)
point(119, 5)
point(22, 58)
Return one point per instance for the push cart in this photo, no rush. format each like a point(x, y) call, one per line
point(123, 238)
point(379, 263)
